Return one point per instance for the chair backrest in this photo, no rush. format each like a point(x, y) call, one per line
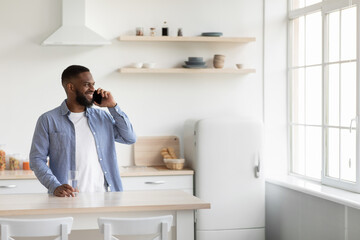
point(35, 227)
point(135, 226)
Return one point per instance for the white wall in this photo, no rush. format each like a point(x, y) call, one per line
point(275, 86)
point(293, 215)
point(156, 104)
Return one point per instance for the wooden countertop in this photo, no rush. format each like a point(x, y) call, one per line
point(130, 171)
point(16, 174)
point(135, 171)
point(41, 204)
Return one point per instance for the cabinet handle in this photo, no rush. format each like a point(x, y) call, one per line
point(8, 186)
point(257, 167)
point(155, 182)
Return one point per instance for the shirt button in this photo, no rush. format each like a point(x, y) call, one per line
point(97, 146)
point(100, 159)
point(109, 185)
point(94, 133)
point(105, 173)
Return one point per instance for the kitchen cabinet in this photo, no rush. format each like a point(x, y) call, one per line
point(133, 178)
point(237, 40)
point(181, 182)
point(20, 181)
point(16, 186)
point(136, 178)
point(184, 182)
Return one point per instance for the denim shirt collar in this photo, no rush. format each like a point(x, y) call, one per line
point(65, 110)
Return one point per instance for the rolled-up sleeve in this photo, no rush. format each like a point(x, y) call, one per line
point(123, 129)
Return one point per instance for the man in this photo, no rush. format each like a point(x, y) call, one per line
point(76, 136)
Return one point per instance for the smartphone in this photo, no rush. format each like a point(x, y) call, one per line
point(97, 97)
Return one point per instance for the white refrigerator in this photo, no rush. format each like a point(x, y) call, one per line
point(226, 154)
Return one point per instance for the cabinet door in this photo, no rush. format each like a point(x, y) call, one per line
point(238, 234)
point(21, 186)
point(184, 182)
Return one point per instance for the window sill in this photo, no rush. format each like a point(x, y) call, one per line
point(316, 189)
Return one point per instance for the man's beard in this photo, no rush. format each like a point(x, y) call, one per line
point(82, 100)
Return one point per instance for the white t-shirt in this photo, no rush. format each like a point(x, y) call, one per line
point(91, 177)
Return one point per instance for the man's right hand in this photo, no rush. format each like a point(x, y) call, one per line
point(64, 190)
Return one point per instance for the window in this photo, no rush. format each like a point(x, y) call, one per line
point(323, 95)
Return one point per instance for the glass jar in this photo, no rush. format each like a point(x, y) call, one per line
point(180, 32)
point(14, 162)
point(24, 162)
point(2, 157)
point(152, 32)
point(26, 165)
point(139, 31)
point(165, 29)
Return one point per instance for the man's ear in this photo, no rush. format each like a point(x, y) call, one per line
point(70, 87)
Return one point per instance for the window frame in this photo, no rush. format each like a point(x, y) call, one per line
point(325, 7)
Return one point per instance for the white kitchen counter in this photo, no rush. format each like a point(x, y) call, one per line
point(131, 171)
point(87, 207)
point(42, 203)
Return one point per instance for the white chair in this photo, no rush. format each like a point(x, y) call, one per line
point(60, 227)
point(160, 226)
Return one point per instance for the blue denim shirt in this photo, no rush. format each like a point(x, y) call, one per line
point(54, 137)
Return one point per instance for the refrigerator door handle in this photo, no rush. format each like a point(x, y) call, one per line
point(257, 167)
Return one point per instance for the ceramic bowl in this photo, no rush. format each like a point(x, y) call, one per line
point(197, 63)
point(212, 34)
point(149, 65)
point(239, 66)
point(137, 65)
point(195, 59)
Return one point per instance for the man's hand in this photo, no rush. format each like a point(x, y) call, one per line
point(107, 99)
point(65, 190)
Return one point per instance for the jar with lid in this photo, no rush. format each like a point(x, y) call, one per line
point(139, 31)
point(14, 161)
point(2, 157)
point(26, 165)
point(165, 29)
point(24, 162)
point(152, 32)
point(180, 32)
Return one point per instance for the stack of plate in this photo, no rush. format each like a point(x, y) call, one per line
point(212, 34)
point(194, 62)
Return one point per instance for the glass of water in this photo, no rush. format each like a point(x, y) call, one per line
point(73, 178)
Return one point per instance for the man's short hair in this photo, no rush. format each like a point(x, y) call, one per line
point(72, 71)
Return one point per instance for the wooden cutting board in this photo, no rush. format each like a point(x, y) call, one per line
point(147, 149)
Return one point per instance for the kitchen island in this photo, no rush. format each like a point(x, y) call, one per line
point(87, 207)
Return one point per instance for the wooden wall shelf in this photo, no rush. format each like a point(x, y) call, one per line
point(186, 70)
point(186, 39)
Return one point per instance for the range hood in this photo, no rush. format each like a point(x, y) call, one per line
point(73, 30)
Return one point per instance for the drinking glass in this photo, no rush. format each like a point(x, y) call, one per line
point(73, 178)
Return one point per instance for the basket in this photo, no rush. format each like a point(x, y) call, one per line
point(174, 164)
